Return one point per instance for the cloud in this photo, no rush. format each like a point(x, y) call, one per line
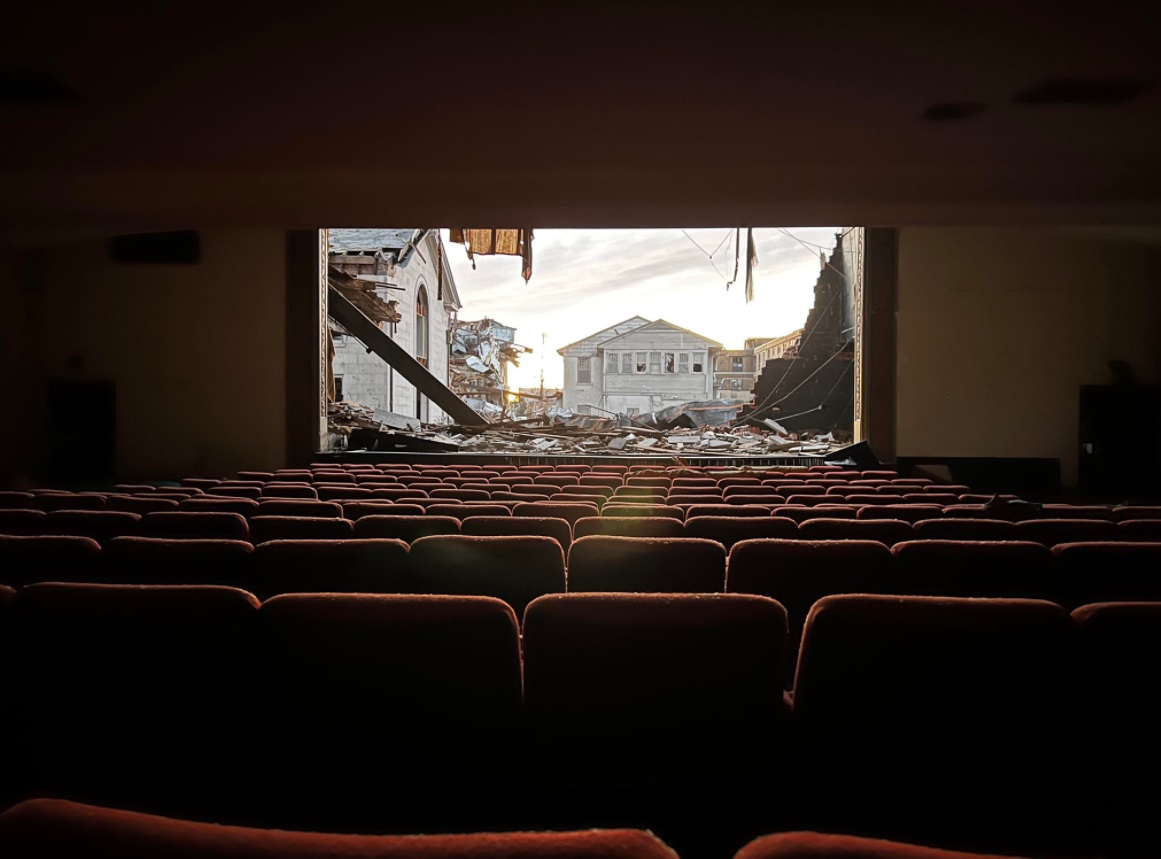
point(586, 280)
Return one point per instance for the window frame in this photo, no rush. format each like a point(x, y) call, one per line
point(655, 363)
point(422, 326)
point(586, 362)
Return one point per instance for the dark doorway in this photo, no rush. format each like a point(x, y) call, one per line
point(1120, 441)
point(81, 434)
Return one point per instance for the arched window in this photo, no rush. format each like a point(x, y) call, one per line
point(422, 331)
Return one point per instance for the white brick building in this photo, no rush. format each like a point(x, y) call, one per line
point(637, 367)
point(408, 269)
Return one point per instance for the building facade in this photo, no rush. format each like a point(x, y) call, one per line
point(637, 367)
point(408, 271)
point(780, 347)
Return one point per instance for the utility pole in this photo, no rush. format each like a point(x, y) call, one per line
point(543, 340)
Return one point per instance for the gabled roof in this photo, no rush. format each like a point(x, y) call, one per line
point(631, 324)
point(660, 325)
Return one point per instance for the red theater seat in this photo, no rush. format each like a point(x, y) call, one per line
point(629, 526)
point(56, 828)
point(423, 688)
point(204, 525)
point(905, 512)
point(406, 528)
point(21, 523)
point(964, 529)
point(141, 503)
point(1136, 512)
point(289, 490)
point(1053, 531)
point(971, 568)
point(646, 565)
point(651, 510)
point(798, 573)
point(1108, 572)
point(99, 525)
point(24, 560)
point(662, 699)
point(329, 566)
point(213, 504)
point(510, 526)
point(1120, 649)
point(886, 531)
point(816, 845)
point(728, 530)
point(190, 561)
point(801, 513)
point(263, 528)
point(468, 510)
point(514, 569)
point(568, 511)
point(294, 507)
point(18, 501)
point(939, 718)
point(131, 695)
point(355, 510)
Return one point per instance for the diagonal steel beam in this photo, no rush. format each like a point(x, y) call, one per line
point(371, 336)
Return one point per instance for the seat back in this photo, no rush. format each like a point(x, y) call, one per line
point(132, 695)
point(511, 526)
point(205, 525)
point(729, 530)
point(513, 569)
point(24, 560)
point(56, 827)
point(1120, 649)
point(974, 568)
point(425, 688)
point(798, 573)
point(1108, 572)
point(646, 565)
point(954, 710)
point(622, 676)
point(162, 561)
point(629, 526)
point(369, 566)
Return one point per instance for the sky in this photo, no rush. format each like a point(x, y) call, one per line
point(586, 280)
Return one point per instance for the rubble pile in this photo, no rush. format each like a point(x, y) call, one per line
point(566, 433)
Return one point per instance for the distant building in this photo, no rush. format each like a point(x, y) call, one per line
point(736, 370)
point(636, 367)
point(780, 347)
point(407, 270)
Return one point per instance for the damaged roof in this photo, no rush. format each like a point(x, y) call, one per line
point(347, 240)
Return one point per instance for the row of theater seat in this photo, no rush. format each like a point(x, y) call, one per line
point(519, 568)
point(42, 828)
point(435, 490)
point(1006, 725)
point(562, 522)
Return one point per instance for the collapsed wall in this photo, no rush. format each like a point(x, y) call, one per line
point(813, 389)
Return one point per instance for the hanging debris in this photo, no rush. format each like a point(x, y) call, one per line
point(492, 241)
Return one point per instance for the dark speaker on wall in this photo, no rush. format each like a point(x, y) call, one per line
point(181, 247)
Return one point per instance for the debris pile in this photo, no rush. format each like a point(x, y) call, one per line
point(479, 356)
point(565, 433)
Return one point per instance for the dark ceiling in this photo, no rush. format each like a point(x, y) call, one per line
point(579, 114)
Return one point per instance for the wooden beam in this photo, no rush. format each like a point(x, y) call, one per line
point(371, 336)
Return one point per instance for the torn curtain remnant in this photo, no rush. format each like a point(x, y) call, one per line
point(496, 242)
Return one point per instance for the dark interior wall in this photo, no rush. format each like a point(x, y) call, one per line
point(17, 387)
point(196, 352)
point(997, 329)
